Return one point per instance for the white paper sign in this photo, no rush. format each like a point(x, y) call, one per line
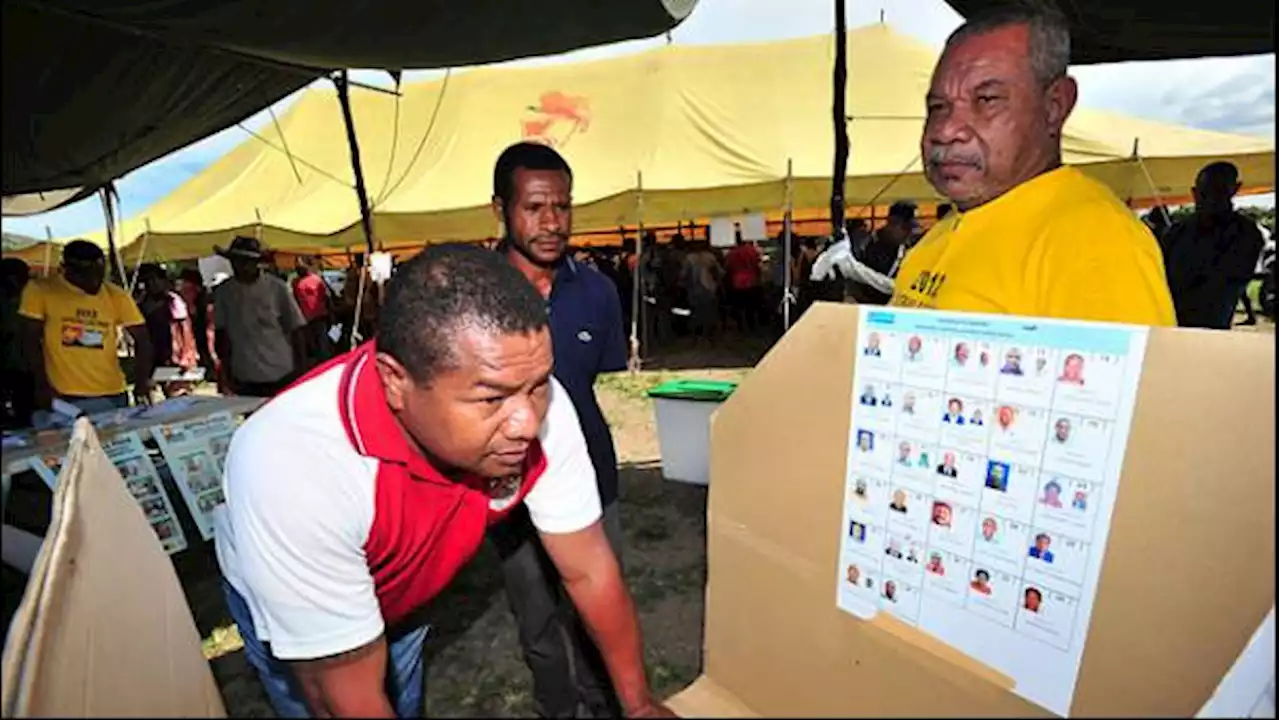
point(214, 267)
point(380, 267)
point(753, 227)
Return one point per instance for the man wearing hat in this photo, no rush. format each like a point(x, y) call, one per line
point(258, 326)
point(70, 324)
point(884, 253)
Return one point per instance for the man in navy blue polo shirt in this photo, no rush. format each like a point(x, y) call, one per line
point(532, 186)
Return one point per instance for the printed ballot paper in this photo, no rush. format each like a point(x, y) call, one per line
point(994, 447)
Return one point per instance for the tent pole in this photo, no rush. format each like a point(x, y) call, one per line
point(146, 237)
point(48, 251)
point(114, 264)
point(786, 252)
point(637, 296)
point(840, 81)
point(1155, 192)
point(342, 82)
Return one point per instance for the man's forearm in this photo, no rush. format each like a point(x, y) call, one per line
point(347, 685)
point(222, 346)
point(299, 341)
point(609, 615)
point(143, 359)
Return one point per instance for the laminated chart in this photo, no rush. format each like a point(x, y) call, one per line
point(195, 451)
point(984, 458)
point(130, 457)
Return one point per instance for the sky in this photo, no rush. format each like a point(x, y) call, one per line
point(1227, 94)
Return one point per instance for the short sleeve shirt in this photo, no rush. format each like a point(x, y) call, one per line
point(311, 294)
point(80, 334)
point(1061, 245)
point(588, 338)
point(258, 318)
point(334, 530)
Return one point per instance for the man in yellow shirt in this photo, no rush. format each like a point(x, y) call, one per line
point(1030, 236)
point(70, 324)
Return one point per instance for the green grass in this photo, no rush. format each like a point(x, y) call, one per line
point(650, 586)
point(632, 386)
point(635, 386)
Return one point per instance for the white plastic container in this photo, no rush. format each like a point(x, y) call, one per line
point(683, 410)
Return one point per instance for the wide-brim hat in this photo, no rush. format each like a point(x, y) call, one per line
point(243, 248)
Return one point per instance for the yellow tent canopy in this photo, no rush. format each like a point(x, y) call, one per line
point(704, 130)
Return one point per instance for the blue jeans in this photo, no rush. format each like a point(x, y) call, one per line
point(404, 666)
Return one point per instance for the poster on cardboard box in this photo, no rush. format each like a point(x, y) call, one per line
point(995, 446)
point(129, 455)
point(195, 450)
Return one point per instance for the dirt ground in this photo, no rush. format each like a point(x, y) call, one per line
point(474, 666)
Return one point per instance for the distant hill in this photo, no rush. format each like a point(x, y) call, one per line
point(13, 241)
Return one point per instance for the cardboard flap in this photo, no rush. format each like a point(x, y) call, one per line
point(704, 698)
point(1190, 570)
point(1194, 517)
point(103, 628)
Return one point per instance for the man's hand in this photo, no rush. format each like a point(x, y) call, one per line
point(31, 337)
point(652, 710)
point(591, 575)
point(143, 357)
point(42, 393)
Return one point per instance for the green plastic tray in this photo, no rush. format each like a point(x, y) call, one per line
point(695, 390)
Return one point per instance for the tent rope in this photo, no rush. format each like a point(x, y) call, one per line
point(285, 142)
point(268, 143)
point(435, 114)
point(395, 145)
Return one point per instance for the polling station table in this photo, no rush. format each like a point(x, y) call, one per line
point(169, 455)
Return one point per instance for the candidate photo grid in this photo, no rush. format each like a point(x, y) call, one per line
point(983, 462)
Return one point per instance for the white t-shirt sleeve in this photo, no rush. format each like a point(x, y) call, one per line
point(566, 498)
point(300, 526)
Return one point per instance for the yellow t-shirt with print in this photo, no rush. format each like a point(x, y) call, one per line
point(1060, 245)
point(80, 334)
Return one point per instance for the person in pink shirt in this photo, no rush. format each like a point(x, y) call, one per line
point(169, 325)
point(742, 265)
point(316, 304)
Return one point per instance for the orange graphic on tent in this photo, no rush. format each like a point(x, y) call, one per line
point(557, 118)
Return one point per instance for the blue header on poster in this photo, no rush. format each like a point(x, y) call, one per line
point(1056, 334)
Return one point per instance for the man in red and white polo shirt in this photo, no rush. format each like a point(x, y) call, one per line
point(353, 498)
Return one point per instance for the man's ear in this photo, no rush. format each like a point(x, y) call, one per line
point(1061, 100)
point(499, 213)
point(396, 381)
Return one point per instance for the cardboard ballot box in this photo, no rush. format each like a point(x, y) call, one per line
point(1188, 574)
point(103, 629)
